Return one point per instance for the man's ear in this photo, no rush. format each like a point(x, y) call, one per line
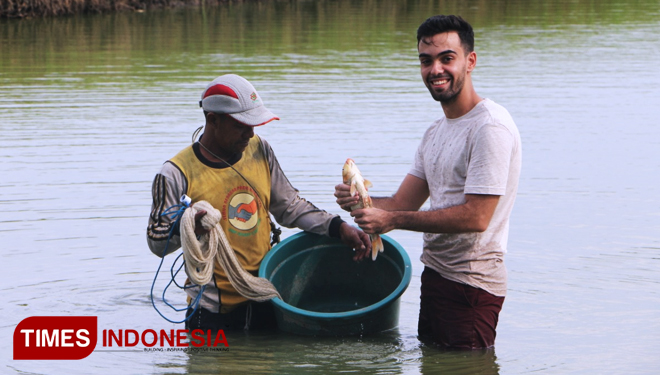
point(471, 61)
point(212, 119)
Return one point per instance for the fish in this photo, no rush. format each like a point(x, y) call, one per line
point(351, 176)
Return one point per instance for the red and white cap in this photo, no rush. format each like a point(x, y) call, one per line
point(235, 96)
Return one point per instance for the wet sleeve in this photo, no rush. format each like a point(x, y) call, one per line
point(167, 188)
point(290, 210)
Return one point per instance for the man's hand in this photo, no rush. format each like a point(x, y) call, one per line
point(373, 220)
point(199, 229)
point(356, 239)
point(344, 198)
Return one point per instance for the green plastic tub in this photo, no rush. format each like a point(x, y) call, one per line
point(324, 292)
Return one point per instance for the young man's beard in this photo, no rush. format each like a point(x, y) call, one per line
point(451, 94)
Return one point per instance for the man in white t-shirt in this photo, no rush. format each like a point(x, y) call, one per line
point(468, 164)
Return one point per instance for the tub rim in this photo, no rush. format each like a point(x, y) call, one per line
point(390, 298)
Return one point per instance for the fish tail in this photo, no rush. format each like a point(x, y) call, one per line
point(376, 246)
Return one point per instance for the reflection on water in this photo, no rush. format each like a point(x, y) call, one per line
point(388, 353)
point(482, 362)
point(91, 106)
point(292, 354)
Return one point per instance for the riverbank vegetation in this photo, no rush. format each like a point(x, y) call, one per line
point(44, 8)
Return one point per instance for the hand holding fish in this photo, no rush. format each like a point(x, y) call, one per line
point(373, 220)
point(344, 198)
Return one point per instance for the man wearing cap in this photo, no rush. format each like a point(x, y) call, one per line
point(238, 174)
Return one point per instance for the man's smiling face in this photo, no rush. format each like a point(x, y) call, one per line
point(444, 65)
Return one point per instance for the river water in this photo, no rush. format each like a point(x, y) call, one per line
point(91, 106)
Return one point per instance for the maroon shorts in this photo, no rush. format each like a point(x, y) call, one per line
point(455, 315)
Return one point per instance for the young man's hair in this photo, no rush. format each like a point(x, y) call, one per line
point(442, 24)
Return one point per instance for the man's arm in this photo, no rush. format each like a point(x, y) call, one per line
point(290, 210)
point(286, 205)
point(167, 188)
point(400, 211)
point(472, 216)
point(411, 195)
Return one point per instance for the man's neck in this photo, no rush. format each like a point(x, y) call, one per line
point(212, 153)
point(463, 104)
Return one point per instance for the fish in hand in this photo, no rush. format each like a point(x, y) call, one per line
point(352, 177)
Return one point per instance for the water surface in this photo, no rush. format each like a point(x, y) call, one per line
point(90, 107)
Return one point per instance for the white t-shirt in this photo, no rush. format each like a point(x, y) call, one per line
point(478, 153)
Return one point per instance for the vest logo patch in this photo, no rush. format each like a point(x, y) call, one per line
point(242, 210)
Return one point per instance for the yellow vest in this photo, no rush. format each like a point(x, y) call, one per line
point(245, 217)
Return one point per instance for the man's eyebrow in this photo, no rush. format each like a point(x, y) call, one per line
point(445, 52)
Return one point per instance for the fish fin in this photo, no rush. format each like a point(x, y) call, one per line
point(367, 184)
point(376, 246)
point(379, 244)
point(353, 188)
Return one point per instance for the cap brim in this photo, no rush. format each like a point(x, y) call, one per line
point(255, 116)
